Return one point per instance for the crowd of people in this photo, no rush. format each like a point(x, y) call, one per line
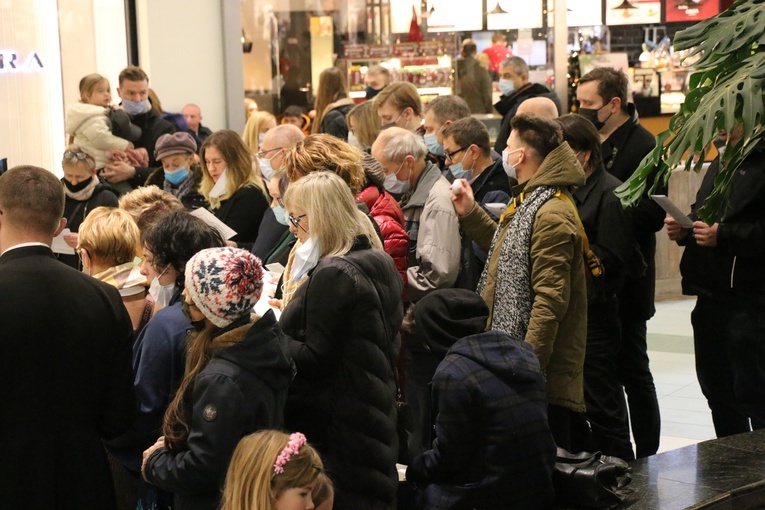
point(246, 318)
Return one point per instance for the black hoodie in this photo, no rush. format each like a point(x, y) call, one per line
point(241, 390)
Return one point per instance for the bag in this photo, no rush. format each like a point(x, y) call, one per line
point(589, 480)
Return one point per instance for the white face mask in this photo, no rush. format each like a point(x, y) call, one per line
point(354, 141)
point(509, 169)
point(161, 294)
point(393, 185)
point(220, 187)
point(265, 168)
point(306, 258)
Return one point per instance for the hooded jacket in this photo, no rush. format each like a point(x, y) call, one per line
point(473, 85)
point(241, 390)
point(334, 122)
point(508, 105)
point(558, 325)
point(493, 446)
point(90, 127)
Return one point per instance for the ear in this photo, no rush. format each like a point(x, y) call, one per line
point(61, 226)
point(446, 123)
point(617, 103)
point(86, 262)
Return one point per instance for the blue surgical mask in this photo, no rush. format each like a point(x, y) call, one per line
point(177, 176)
point(459, 173)
point(265, 168)
point(431, 142)
point(507, 87)
point(281, 215)
point(135, 108)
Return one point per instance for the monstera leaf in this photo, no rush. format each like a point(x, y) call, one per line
point(725, 90)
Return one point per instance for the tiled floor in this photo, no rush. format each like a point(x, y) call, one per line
point(685, 417)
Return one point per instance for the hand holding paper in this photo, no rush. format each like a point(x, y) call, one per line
point(666, 204)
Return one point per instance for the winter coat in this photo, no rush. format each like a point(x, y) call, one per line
point(734, 270)
point(243, 211)
point(491, 179)
point(65, 367)
point(271, 233)
point(152, 127)
point(622, 153)
point(191, 198)
point(433, 228)
point(473, 84)
point(558, 325)
point(508, 105)
point(241, 390)
point(390, 218)
point(343, 397)
point(89, 125)
point(493, 447)
point(334, 122)
point(76, 211)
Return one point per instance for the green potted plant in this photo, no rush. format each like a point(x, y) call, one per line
point(726, 89)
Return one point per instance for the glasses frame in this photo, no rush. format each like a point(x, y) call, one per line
point(450, 155)
point(295, 220)
point(262, 154)
point(76, 155)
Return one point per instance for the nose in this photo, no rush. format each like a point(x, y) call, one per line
point(144, 268)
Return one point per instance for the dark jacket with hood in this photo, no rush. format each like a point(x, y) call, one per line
point(622, 153)
point(343, 397)
point(734, 270)
point(152, 127)
point(241, 390)
point(334, 122)
point(473, 85)
point(493, 447)
point(187, 193)
point(508, 105)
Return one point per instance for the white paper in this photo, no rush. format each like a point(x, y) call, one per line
point(220, 186)
point(209, 218)
point(59, 245)
point(275, 268)
point(673, 210)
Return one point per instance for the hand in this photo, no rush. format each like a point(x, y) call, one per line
point(150, 450)
point(462, 198)
point(71, 240)
point(674, 230)
point(118, 171)
point(232, 244)
point(275, 303)
point(704, 234)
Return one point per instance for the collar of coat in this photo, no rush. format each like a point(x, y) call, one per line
point(430, 174)
point(560, 168)
point(235, 332)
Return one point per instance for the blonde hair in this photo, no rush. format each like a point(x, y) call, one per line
point(332, 214)
point(367, 125)
point(253, 128)
point(238, 160)
point(147, 203)
point(109, 235)
point(326, 152)
point(400, 95)
point(332, 86)
point(251, 482)
point(88, 84)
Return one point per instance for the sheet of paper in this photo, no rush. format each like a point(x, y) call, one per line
point(59, 245)
point(275, 268)
point(209, 218)
point(673, 210)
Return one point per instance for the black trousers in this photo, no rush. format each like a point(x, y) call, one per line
point(729, 339)
point(603, 394)
point(635, 376)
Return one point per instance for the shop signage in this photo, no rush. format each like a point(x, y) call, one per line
point(10, 62)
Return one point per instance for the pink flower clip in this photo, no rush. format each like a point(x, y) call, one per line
point(297, 440)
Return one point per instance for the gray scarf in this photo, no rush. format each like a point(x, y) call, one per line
point(512, 290)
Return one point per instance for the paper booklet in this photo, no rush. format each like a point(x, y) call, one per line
point(209, 218)
point(673, 210)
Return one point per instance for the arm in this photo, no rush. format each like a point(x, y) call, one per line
point(100, 136)
point(438, 252)
point(746, 238)
point(552, 252)
point(614, 243)
point(326, 322)
point(479, 226)
point(211, 442)
point(396, 244)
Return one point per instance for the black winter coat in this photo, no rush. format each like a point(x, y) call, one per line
point(241, 390)
point(67, 382)
point(343, 397)
point(508, 105)
point(334, 122)
point(243, 211)
point(152, 127)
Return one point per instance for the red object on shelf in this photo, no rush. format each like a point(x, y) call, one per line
point(414, 28)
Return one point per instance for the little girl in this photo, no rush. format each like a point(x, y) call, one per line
point(89, 121)
point(271, 470)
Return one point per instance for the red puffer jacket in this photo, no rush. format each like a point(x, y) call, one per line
point(389, 217)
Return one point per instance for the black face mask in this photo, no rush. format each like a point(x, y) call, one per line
point(591, 114)
point(74, 188)
point(371, 93)
point(197, 325)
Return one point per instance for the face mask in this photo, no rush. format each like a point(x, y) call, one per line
point(371, 93)
point(393, 185)
point(507, 87)
point(306, 258)
point(161, 293)
point(394, 123)
point(197, 325)
point(354, 141)
point(431, 142)
point(591, 114)
point(74, 188)
point(509, 169)
point(133, 108)
point(265, 168)
point(458, 172)
point(281, 215)
point(177, 176)
point(261, 136)
point(220, 187)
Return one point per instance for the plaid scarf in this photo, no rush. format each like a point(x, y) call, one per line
point(512, 290)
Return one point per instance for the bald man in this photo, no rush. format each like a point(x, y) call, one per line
point(542, 106)
point(193, 116)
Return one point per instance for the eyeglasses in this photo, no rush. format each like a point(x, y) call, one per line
point(450, 155)
point(262, 154)
point(70, 155)
point(295, 220)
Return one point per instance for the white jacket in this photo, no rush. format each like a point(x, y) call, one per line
point(90, 127)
